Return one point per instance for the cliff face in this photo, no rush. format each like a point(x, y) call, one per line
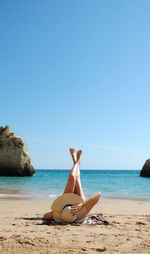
point(14, 156)
point(145, 172)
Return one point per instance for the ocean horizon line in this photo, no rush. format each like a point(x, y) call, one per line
point(82, 169)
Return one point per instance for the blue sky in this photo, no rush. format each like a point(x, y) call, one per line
point(77, 73)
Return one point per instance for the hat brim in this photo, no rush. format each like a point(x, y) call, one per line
point(62, 201)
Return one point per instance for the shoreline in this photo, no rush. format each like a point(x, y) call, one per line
point(23, 230)
point(53, 196)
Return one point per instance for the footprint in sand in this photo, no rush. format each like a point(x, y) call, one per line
point(140, 223)
point(102, 249)
point(84, 249)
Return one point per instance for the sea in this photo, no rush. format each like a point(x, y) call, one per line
point(48, 184)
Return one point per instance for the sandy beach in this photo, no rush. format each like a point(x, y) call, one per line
point(23, 231)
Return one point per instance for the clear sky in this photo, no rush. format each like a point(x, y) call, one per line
point(77, 73)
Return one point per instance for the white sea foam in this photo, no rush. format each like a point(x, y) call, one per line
point(52, 196)
point(17, 196)
point(26, 196)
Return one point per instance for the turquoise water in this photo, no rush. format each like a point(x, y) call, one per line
point(47, 184)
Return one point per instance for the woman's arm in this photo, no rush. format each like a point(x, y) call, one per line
point(88, 204)
point(91, 202)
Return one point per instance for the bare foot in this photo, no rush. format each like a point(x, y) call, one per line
point(73, 154)
point(79, 153)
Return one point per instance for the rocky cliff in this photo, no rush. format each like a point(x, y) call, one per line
point(14, 156)
point(145, 172)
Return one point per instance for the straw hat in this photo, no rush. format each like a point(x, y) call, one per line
point(61, 208)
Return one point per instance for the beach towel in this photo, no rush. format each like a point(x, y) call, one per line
point(90, 219)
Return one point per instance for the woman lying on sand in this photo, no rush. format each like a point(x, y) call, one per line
point(72, 206)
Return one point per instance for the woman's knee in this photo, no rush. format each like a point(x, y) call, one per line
point(72, 176)
point(98, 196)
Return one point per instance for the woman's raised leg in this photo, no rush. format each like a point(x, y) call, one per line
point(74, 181)
point(78, 186)
point(92, 201)
point(70, 186)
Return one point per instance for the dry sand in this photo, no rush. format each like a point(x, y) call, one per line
point(22, 231)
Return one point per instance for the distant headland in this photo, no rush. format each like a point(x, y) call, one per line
point(14, 156)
